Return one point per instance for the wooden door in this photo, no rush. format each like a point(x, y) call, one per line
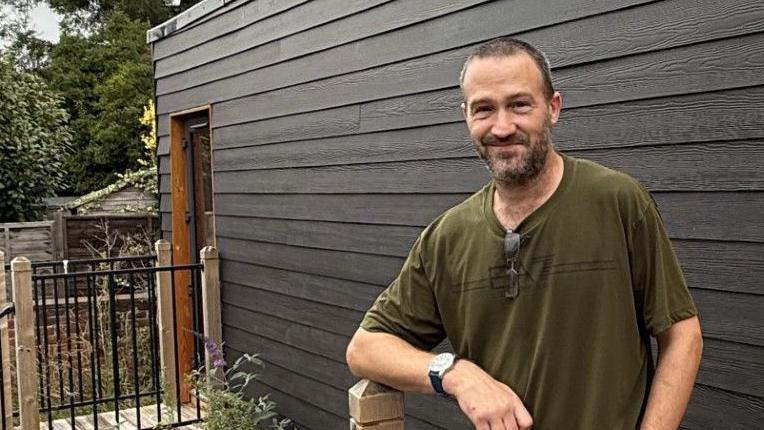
point(191, 189)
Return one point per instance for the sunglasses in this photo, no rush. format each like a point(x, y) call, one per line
point(512, 242)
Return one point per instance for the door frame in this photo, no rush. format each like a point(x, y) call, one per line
point(180, 183)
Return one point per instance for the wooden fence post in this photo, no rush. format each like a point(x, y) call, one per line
point(26, 356)
point(375, 406)
point(213, 327)
point(165, 324)
point(5, 346)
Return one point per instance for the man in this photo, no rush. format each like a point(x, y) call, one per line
point(548, 282)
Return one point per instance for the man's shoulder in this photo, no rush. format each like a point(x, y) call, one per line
point(460, 217)
point(607, 182)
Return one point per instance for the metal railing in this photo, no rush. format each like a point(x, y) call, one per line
point(108, 335)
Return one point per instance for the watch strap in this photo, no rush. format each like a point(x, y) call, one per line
point(437, 383)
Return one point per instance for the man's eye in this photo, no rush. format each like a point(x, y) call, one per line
point(521, 105)
point(481, 109)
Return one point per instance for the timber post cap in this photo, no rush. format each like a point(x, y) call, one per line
point(21, 264)
point(371, 402)
point(209, 252)
point(163, 245)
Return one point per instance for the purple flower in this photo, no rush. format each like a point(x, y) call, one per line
point(211, 347)
point(219, 362)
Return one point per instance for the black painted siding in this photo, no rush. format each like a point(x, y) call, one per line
point(337, 137)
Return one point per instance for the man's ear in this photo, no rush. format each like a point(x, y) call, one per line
point(555, 106)
point(464, 111)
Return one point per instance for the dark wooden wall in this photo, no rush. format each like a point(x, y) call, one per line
point(337, 137)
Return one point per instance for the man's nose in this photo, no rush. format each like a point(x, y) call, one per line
point(504, 126)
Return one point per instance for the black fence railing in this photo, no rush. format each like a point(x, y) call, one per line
point(91, 264)
point(98, 341)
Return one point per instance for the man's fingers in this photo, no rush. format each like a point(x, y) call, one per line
point(509, 423)
point(482, 425)
point(523, 418)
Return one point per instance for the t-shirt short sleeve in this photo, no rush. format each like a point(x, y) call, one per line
point(660, 289)
point(407, 308)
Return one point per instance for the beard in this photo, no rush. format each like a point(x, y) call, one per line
point(517, 169)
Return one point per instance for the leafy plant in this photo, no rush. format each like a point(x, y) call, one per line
point(34, 141)
point(228, 407)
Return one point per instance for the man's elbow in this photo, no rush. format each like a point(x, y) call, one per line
point(354, 355)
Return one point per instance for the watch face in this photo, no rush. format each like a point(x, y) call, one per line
point(441, 362)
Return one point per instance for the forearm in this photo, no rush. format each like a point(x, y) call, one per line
point(678, 361)
point(390, 360)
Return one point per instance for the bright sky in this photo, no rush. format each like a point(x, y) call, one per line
point(45, 22)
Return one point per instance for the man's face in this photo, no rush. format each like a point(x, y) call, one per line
point(509, 118)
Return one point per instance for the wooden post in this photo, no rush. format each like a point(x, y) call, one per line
point(5, 345)
point(7, 241)
point(375, 406)
point(213, 327)
point(26, 357)
point(165, 324)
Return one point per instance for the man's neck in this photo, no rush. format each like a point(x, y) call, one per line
point(512, 203)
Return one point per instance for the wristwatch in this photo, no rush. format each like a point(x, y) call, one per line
point(439, 365)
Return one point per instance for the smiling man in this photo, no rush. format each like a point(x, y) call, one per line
point(548, 282)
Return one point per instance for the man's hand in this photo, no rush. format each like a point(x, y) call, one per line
point(488, 403)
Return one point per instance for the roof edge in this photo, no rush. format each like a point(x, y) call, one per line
point(183, 19)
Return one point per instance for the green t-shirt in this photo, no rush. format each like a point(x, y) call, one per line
point(597, 277)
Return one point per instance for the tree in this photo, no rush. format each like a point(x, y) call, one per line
point(105, 78)
point(102, 68)
point(34, 139)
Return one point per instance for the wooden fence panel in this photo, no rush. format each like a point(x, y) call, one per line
point(34, 240)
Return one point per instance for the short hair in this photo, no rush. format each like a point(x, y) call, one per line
point(507, 46)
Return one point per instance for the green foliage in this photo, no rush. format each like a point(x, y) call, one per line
point(102, 68)
point(228, 408)
point(94, 11)
point(34, 140)
point(105, 78)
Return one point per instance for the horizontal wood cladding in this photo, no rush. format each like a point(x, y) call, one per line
point(732, 317)
point(697, 167)
point(350, 26)
point(443, 141)
point(331, 122)
point(271, 28)
point(693, 215)
point(738, 411)
point(707, 117)
point(325, 317)
point(722, 266)
point(733, 367)
point(408, 42)
point(353, 295)
point(366, 268)
point(232, 18)
point(443, 105)
point(443, 68)
point(387, 209)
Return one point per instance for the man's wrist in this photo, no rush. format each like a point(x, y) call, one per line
point(453, 378)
